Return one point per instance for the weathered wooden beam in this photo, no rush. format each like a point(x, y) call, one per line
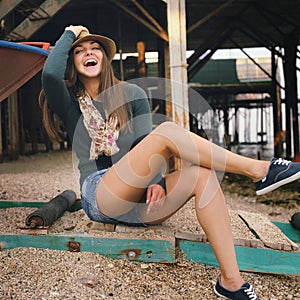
point(142, 70)
point(277, 113)
point(193, 69)
point(291, 97)
point(31, 24)
point(290, 55)
point(13, 126)
point(249, 259)
point(259, 38)
point(145, 250)
point(178, 64)
point(149, 17)
point(136, 17)
point(37, 204)
point(6, 6)
point(291, 232)
point(254, 62)
point(128, 243)
point(209, 16)
point(269, 234)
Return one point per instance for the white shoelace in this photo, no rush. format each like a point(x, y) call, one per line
point(250, 292)
point(281, 161)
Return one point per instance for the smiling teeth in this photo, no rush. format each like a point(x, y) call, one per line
point(90, 62)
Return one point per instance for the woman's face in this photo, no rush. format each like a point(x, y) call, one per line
point(88, 59)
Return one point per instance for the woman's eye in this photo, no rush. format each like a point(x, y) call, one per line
point(77, 51)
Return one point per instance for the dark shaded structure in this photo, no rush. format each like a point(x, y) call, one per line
point(211, 25)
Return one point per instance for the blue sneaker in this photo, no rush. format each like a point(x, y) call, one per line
point(246, 292)
point(280, 172)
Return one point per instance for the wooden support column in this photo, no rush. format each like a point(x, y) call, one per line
point(226, 126)
point(142, 70)
point(178, 65)
point(177, 106)
point(236, 138)
point(13, 126)
point(121, 64)
point(169, 106)
point(291, 98)
point(277, 117)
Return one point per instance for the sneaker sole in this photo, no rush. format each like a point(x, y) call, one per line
point(278, 184)
point(219, 294)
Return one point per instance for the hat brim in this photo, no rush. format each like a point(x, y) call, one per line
point(108, 44)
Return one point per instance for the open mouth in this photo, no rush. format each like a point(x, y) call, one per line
point(90, 63)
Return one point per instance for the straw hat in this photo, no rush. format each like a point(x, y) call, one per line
point(108, 44)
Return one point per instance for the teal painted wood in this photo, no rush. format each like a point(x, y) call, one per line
point(12, 204)
point(116, 248)
point(291, 232)
point(249, 259)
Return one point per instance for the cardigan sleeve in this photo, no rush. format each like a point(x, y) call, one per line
point(54, 86)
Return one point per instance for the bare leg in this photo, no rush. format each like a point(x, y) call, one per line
point(124, 184)
point(215, 221)
point(213, 217)
point(197, 150)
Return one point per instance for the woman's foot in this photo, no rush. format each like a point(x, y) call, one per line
point(245, 292)
point(280, 172)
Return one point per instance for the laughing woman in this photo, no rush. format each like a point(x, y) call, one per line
point(121, 160)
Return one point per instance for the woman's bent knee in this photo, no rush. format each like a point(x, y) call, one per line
point(166, 127)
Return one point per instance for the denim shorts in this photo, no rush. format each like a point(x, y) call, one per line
point(89, 204)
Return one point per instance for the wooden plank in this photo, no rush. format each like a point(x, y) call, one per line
point(189, 236)
point(11, 204)
point(249, 259)
point(95, 227)
point(6, 6)
point(291, 232)
point(30, 25)
point(155, 244)
point(130, 229)
point(34, 231)
point(145, 250)
point(203, 238)
point(242, 236)
point(37, 204)
point(269, 234)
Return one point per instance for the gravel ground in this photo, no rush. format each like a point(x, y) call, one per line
point(27, 273)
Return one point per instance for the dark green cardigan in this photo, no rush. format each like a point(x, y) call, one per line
point(64, 103)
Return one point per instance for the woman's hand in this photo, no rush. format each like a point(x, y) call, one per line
point(155, 197)
point(76, 29)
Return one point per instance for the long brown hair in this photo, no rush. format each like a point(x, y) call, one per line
point(112, 93)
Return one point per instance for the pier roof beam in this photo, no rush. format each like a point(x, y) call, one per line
point(38, 18)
